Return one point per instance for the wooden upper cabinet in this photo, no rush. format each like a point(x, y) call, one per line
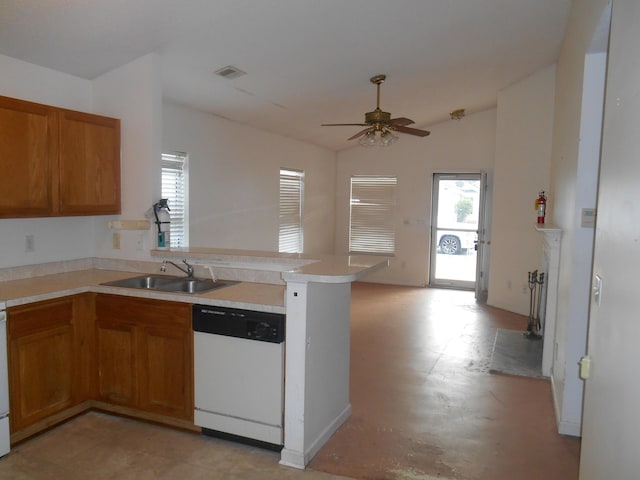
point(57, 162)
point(28, 152)
point(89, 164)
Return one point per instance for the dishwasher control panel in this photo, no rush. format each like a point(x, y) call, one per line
point(249, 324)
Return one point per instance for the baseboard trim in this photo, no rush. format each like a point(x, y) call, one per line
point(50, 422)
point(145, 416)
point(296, 459)
point(564, 428)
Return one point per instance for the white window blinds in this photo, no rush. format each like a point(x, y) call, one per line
point(174, 188)
point(371, 227)
point(291, 198)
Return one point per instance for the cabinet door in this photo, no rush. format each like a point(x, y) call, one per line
point(89, 164)
point(117, 370)
point(166, 383)
point(28, 153)
point(145, 354)
point(41, 360)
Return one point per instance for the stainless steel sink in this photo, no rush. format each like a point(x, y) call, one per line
point(166, 283)
point(197, 285)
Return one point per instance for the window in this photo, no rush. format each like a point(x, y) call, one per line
point(174, 188)
point(291, 196)
point(371, 228)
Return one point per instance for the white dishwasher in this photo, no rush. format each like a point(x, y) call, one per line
point(239, 374)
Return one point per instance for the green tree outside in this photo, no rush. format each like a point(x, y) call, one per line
point(463, 208)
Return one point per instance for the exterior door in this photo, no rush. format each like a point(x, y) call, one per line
point(457, 208)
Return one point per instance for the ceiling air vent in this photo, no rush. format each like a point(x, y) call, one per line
point(230, 72)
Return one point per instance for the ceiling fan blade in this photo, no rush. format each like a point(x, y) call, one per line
point(359, 134)
point(343, 124)
point(401, 121)
point(410, 131)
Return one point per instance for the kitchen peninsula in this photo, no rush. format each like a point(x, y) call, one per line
point(313, 291)
point(317, 340)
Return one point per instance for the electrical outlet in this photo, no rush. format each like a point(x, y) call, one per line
point(29, 243)
point(115, 241)
point(140, 242)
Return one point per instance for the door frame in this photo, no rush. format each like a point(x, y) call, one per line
point(479, 284)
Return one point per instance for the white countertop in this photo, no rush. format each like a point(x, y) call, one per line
point(251, 295)
point(293, 267)
point(245, 295)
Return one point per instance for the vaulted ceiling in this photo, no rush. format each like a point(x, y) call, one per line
point(307, 62)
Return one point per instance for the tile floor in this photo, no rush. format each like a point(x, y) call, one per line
point(98, 446)
point(425, 407)
point(424, 403)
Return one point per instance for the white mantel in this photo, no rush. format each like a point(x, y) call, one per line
point(551, 264)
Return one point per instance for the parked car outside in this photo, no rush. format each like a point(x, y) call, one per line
point(454, 242)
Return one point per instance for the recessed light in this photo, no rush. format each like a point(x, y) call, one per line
point(230, 72)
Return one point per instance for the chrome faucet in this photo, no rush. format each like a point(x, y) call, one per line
point(188, 270)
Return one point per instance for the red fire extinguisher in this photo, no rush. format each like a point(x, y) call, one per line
point(541, 206)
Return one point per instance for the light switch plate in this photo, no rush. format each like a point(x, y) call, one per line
point(597, 289)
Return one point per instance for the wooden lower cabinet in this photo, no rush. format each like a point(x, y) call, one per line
point(145, 355)
point(116, 362)
point(48, 368)
point(127, 355)
point(166, 386)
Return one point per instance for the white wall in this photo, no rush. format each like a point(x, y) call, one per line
point(234, 182)
point(42, 85)
point(612, 392)
point(521, 170)
point(234, 170)
point(574, 176)
point(577, 187)
point(133, 94)
point(453, 146)
point(130, 93)
point(55, 238)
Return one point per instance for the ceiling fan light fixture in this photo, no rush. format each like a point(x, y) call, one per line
point(379, 124)
point(368, 140)
point(378, 138)
point(387, 138)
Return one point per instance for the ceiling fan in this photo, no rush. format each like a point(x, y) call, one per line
point(379, 124)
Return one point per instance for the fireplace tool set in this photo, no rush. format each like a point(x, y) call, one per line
point(534, 325)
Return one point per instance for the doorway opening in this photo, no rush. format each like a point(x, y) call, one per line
point(457, 212)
